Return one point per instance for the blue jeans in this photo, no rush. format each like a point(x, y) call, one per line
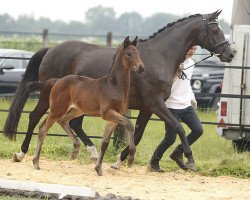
point(191, 119)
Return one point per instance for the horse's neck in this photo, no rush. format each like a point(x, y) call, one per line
point(119, 76)
point(173, 43)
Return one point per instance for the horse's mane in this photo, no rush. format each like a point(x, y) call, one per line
point(169, 25)
point(118, 48)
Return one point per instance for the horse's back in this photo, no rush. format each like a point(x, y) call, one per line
point(76, 57)
point(76, 91)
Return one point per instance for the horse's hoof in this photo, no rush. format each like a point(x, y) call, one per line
point(18, 157)
point(74, 155)
point(15, 159)
point(130, 162)
point(118, 163)
point(98, 170)
point(191, 166)
point(93, 152)
point(36, 164)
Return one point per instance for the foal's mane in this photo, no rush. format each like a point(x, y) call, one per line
point(169, 25)
point(114, 57)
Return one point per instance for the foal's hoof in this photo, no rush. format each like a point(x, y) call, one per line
point(130, 162)
point(98, 170)
point(75, 151)
point(74, 154)
point(191, 166)
point(118, 163)
point(36, 164)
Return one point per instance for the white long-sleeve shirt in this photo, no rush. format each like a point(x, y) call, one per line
point(181, 92)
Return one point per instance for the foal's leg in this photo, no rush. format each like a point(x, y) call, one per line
point(76, 143)
point(76, 125)
point(140, 126)
point(43, 130)
point(34, 117)
point(64, 123)
point(112, 115)
point(105, 142)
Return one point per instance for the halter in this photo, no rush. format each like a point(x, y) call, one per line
point(207, 35)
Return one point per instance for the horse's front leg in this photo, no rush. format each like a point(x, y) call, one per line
point(140, 126)
point(105, 142)
point(76, 125)
point(164, 113)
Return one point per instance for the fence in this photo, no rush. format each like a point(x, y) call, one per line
point(109, 39)
point(45, 39)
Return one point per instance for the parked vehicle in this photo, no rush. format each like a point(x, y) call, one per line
point(234, 115)
point(12, 70)
point(207, 79)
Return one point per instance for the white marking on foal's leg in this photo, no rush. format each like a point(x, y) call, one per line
point(93, 152)
point(118, 163)
point(18, 157)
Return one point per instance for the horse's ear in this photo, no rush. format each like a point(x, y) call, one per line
point(126, 42)
point(135, 41)
point(215, 15)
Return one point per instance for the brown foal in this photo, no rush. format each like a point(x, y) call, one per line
point(73, 95)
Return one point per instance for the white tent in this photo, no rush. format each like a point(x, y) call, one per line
point(241, 12)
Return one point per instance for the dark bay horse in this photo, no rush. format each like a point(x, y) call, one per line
point(74, 95)
point(161, 54)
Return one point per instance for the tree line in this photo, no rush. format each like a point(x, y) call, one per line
point(99, 21)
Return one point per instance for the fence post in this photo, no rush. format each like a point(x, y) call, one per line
point(45, 38)
point(109, 39)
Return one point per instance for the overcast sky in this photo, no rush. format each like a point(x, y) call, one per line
point(67, 10)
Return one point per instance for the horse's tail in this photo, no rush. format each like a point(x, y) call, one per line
point(37, 86)
point(21, 94)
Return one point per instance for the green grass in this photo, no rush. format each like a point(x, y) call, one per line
point(213, 154)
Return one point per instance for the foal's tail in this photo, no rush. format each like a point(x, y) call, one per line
point(37, 86)
point(21, 94)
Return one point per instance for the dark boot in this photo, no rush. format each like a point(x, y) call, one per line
point(153, 166)
point(177, 156)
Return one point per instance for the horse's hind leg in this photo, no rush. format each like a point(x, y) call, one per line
point(105, 142)
point(112, 115)
point(34, 117)
point(64, 123)
point(43, 130)
point(141, 123)
point(76, 125)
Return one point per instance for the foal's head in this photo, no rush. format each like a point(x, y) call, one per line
point(131, 56)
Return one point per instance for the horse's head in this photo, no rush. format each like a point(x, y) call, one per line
point(131, 55)
point(213, 39)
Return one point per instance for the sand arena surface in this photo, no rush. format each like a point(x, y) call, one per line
point(136, 182)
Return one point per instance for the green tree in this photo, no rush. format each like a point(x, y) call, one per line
point(100, 20)
point(157, 21)
point(129, 24)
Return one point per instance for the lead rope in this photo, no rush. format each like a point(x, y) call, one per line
point(183, 76)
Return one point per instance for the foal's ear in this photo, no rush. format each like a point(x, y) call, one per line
point(135, 41)
point(215, 15)
point(126, 42)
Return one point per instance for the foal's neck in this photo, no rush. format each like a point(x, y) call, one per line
point(119, 75)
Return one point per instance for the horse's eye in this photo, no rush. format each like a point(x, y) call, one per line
point(215, 30)
point(129, 54)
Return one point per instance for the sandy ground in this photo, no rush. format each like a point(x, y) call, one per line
point(136, 182)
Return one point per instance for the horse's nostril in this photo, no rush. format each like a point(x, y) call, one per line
point(231, 55)
point(141, 69)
